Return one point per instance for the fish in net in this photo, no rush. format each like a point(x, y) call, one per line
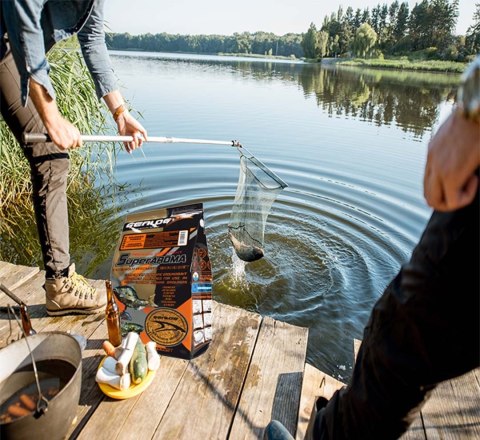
point(257, 189)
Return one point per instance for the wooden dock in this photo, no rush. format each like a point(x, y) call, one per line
point(255, 370)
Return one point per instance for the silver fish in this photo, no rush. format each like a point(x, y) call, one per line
point(128, 296)
point(244, 251)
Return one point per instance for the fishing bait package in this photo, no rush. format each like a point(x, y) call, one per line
point(162, 279)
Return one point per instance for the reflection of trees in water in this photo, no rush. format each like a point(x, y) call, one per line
point(410, 101)
point(407, 99)
point(384, 97)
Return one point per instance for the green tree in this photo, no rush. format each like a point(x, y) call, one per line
point(401, 24)
point(364, 41)
point(376, 18)
point(366, 16)
point(334, 45)
point(432, 23)
point(322, 41)
point(472, 37)
point(357, 20)
point(346, 32)
point(309, 42)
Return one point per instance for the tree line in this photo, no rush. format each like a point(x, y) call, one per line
point(392, 29)
point(261, 43)
point(386, 29)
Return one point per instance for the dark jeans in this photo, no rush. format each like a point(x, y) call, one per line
point(423, 330)
point(49, 168)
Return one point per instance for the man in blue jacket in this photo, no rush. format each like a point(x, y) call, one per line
point(28, 29)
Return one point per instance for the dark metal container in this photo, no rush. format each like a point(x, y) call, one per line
point(62, 408)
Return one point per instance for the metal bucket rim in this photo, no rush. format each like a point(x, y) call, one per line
point(44, 336)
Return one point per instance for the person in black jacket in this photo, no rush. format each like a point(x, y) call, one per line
point(425, 327)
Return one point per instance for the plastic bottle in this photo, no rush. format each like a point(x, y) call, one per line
point(112, 316)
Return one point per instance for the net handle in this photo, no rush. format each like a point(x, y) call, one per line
point(32, 138)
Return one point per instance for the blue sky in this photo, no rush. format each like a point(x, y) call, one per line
point(226, 17)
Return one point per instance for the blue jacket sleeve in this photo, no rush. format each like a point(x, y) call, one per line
point(22, 21)
point(94, 49)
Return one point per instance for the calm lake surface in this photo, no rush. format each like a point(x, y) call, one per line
point(351, 145)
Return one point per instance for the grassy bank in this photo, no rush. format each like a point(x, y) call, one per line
point(406, 64)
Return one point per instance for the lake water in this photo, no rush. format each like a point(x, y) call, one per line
point(351, 146)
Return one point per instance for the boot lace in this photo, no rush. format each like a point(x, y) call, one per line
point(79, 286)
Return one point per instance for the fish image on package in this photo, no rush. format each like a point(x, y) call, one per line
point(162, 279)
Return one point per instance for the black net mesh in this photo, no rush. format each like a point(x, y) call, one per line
point(257, 189)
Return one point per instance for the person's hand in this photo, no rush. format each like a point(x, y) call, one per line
point(450, 181)
point(63, 133)
point(129, 126)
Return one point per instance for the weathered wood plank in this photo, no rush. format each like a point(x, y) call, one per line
point(41, 321)
point(5, 267)
point(315, 384)
point(416, 431)
point(122, 418)
point(204, 402)
point(32, 293)
point(272, 388)
point(13, 276)
point(151, 405)
point(453, 410)
point(90, 395)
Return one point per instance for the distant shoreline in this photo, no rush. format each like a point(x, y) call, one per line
point(402, 63)
point(399, 64)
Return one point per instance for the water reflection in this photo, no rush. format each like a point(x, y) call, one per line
point(408, 100)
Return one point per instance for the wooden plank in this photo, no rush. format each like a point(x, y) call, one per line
point(151, 405)
point(453, 409)
point(4, 267)
point(17, 275)
point(204, 403)
point(273, 385)
point(416, 431)
point(32, 293)
point(90, 395)
point(315, 384)
point(122, 418)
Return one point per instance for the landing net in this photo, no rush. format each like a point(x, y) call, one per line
point(257, 189)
